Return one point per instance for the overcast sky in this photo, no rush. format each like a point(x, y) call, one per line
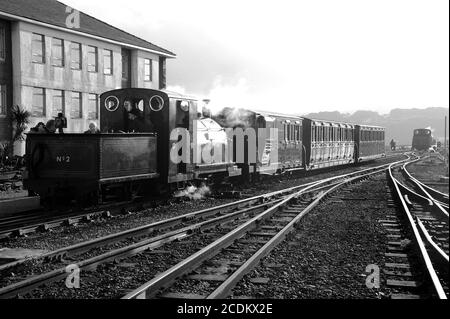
point(296, 56)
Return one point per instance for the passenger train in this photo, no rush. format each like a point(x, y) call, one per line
point(134, 150)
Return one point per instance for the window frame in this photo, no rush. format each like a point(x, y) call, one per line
point(111, 64)
point(33, 105)
point(33, 54)
point(89, 106)
point(148, 77)
point(80, 104)
point(58, 43)
point(63, 106)
point(80, 55)
point(89, 53)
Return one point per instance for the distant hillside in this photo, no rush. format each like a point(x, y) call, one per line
point(399, 123)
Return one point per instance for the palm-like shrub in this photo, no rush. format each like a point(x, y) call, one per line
point(19, 119)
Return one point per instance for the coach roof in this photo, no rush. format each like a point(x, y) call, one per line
point(53, 13)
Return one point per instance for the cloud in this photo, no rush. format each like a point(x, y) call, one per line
point(297, 56)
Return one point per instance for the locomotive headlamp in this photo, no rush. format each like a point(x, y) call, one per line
point(184, 106)
point(111, 103)
point(156, 103)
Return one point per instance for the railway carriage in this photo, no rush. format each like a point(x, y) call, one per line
point(274, 153)
point(290, 140)
point(328, 143)
point(370, 142)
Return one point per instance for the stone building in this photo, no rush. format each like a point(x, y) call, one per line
point(54, 59)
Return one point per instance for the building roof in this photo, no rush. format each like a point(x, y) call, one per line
point(54, 13)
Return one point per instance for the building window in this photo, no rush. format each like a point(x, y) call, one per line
point(2, 99)
point(148, 70)
point(38, 48)
point(92, 59)
point(57, 52)
point(2, 44)
point(58, 102)
point(38, 107)
point(75, 56)
point(76, 109)
point(93, 107)
point(107, 62)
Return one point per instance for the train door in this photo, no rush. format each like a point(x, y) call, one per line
point(298, 144)
point(182, 120)
point(282, 136)
point(266, 162)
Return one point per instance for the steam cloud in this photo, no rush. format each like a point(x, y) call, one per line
point(195, 193)
point(233, 117)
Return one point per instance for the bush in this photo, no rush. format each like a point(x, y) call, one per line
point(19, 119)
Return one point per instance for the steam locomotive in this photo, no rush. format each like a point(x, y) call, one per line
point(422, 139)
point(160, 141)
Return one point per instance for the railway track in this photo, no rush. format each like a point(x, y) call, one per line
point(30, 222)
point(213, 271)
point(94, 253)
point(426, 226)
point(41, 220)
point(438, 198)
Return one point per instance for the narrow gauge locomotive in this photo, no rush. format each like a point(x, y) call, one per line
point(131, 153)
point(422, 139)
point(134, 150)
